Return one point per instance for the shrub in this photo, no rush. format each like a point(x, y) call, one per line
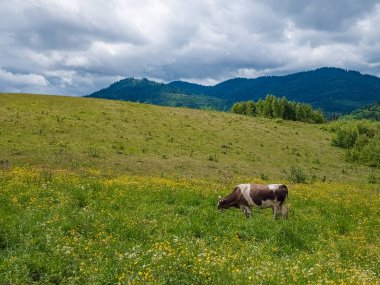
point(362, 138)
point(353, 155)
point(365, 127)
point(372, 179)
point(93, 152)
point(346, 137)
point(213, 157)
point(297, 174)
point(264, 176)
point(370, 153)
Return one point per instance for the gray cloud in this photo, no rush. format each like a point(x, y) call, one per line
point(76, 47)
point(324, 15)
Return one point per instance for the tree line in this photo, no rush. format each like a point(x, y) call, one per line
point(275, 107)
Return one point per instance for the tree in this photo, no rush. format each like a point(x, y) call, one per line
point(239, 108)
point(318, 117)
point(301, 112)
point(290, 111)
point(267, 106)
point(250, 108)
point(278, 107)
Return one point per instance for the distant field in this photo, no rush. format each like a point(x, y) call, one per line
point(128, 138)
point(62, 228)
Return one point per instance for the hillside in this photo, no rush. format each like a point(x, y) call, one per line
point(333, 90)
point(370, 112)
point(139, 139)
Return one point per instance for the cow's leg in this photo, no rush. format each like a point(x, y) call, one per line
point(276, 210)
point(284, 212)
point(247, 211)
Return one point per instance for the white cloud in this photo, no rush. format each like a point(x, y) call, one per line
point(22, 79)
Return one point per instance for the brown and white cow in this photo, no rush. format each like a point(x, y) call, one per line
point(245, 196)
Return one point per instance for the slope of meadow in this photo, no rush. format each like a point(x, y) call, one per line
point(120, 137)
point(106, 192)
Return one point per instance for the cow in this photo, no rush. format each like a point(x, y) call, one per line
point(244, 196)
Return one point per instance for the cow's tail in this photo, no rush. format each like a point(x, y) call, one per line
point(286, 200)
point(287, 192)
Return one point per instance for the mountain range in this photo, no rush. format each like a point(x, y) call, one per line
point(333, 90)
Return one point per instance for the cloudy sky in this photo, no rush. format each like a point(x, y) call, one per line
point(72, 47)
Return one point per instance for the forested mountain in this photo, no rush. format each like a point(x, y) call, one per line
point(190, 88)
point(176, 94)
point(333, 90)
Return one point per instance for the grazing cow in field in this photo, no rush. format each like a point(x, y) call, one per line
point(245, 196)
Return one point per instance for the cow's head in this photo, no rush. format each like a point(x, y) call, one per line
point(222, 203)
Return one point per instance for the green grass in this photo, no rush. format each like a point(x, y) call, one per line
point(61, 228)
point(107, 192)
point(138, 139)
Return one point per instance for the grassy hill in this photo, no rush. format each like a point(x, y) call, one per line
point(109, 192)
point(140, 139)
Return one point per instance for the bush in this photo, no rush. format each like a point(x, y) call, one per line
point(93, 152)
point(297, 175)
point(362, 138)
point(372, 179)
point(213, 157)
point(366, 128)
point(346, 137)
point(264, 176)
point(370, 153)
point(353, 155)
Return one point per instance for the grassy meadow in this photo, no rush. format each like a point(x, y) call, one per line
point(138, 139)
point(63, 228)
point(109, 192)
